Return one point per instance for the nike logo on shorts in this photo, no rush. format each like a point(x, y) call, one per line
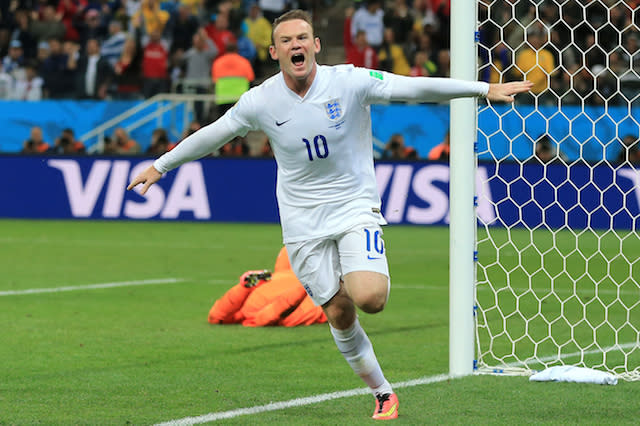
point(280, 123)
point(372, 258)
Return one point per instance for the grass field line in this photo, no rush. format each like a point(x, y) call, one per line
point(298, 402)
point(91, 286)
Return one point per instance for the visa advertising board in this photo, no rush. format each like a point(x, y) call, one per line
point(243, 190)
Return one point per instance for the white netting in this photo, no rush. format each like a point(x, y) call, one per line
point(558, 273)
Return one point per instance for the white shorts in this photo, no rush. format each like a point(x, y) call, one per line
point(320, 264)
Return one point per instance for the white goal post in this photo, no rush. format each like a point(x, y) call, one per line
point(545, 193)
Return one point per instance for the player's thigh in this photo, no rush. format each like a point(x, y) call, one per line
point(365, 269)
point(316, 263)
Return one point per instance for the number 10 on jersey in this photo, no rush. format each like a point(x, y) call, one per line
point(320, 146)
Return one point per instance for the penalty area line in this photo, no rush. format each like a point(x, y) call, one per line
point(298, 402)
point(92, 286)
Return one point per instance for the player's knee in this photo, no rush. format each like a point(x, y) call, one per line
point(372, 303)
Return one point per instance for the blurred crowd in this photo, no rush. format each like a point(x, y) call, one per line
point(130, 49)
point(576, 53)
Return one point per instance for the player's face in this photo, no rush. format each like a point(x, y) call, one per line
point(295, 48)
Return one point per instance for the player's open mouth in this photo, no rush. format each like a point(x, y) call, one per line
point(297, 59)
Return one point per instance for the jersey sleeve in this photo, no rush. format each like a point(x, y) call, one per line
point(433, 89)
point(236, 122)
point(372, 86)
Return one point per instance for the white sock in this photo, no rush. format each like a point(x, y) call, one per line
point(356, 348)
point(382, 389)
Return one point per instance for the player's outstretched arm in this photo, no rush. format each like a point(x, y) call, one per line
point(504, 92)
point(148, 177)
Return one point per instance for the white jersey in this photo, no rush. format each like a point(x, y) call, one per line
point(323, 147)
point(322, 142)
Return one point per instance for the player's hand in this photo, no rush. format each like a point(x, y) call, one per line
point(503, 92)
point(148, 177)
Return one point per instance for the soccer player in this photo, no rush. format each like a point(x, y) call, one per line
point(317, 119)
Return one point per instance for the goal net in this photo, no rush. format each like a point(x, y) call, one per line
point(558, 249)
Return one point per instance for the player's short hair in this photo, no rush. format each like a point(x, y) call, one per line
point(290, 16)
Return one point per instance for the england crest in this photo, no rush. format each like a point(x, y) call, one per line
point(333, 109)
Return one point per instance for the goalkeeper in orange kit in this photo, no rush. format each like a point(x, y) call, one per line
point(263, 298)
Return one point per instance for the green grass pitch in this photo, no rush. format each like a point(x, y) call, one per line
point(144, 354)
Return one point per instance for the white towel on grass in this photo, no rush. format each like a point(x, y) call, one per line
point(570, 373)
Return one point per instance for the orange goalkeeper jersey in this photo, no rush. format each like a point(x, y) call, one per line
point(278, 301)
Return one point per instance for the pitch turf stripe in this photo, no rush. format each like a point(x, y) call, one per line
point(91, 286)
point(298, 402)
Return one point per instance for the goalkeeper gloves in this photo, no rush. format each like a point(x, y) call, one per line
point(253, 278)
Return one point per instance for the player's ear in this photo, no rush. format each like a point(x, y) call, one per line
point(316, 43)
point(272, 52)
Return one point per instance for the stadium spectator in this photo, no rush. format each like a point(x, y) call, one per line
point(120, 143)
point(391, 55)
point(370, 19)
point(128, 71)
point(29, 87)
point(535, 61)
point(271, 9)
point(182, 26)
point(67, 144)
point(361, 54)
point(347, 38)
point(395, 149)
point(500, 63)
point(441, 151)
point(400, 19)
point(6, 84)
point(232, 75)
point(5, 37)
point(48, 26)
point(94, 73)
point(325, 230)
point(155, 66)
point(68, 12)
point(92, 27)
point(425, 65)
point(246, 49)
point(41, 55)
point(443, 63)
point(266, 150)
point(36, 143)
point(159, 142)
point(150, 20)
point(113, 46)
point(22, 32)
point(426, 17)
point(629, 152)
point(13, 62)
point(546, 153)
point(262, 298)
point(59, 69)
point(219, 32)
point(238, 147)
point(422, 65)
point(259, 32)
point(193, 127)
point(198, 61)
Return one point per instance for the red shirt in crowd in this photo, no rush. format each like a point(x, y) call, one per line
point(155, 61)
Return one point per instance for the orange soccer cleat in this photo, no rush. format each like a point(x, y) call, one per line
point(386, 407)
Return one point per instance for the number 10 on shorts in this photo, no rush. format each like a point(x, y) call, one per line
point(374, 242)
